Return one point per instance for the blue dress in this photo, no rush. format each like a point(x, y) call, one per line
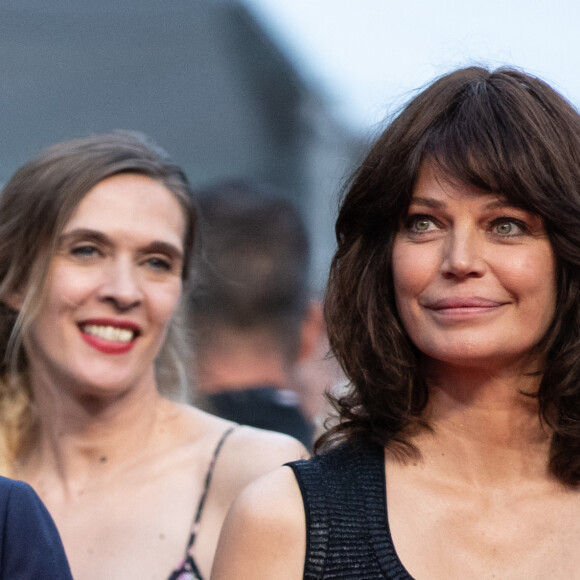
point(30, 547)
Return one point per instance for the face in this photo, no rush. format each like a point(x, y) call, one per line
point(112, 288)
point(474, 278)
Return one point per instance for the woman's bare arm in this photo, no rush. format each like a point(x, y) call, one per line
point(264, 534)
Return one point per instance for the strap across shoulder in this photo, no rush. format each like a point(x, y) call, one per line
point(348, 534)
point(188, 569)
point(207, 482)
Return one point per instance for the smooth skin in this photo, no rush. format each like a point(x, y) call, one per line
point(264, 534)
point(475, 287)
point(120, 467)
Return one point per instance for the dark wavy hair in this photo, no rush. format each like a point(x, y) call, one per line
point(503, 131)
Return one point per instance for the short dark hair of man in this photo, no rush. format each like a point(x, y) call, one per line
point(254, 270)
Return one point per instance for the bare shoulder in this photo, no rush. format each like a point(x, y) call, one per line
point(245, 454)
point(249, 453)
point(265, 449)
point(264, 534)
point(192, 429)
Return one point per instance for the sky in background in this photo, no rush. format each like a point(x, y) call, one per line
point(367, 56)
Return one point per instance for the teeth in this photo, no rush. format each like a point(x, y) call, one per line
point(109, 333)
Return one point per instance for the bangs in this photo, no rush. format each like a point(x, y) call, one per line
point(481, 143)
point(510, 135)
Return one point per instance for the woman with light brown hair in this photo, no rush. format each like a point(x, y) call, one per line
point(96, 241)
point(453, 306)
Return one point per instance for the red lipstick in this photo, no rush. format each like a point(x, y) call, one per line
point(109, 345)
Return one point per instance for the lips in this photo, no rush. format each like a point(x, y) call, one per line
point(110, 333)
point(453, 303)
point(109, 336)
point(453, 310)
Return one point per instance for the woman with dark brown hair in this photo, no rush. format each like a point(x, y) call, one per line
point(453, 306)
point(96, 242)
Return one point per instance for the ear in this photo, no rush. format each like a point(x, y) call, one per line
point(312, 331)
point(14, 300)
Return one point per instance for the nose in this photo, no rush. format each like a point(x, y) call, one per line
point(463, 255)
point(121, 286)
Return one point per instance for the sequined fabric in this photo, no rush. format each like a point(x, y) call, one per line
point(348, 533)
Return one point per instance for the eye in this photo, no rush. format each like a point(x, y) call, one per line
point(158, 263)
point(509, 227)
point(420, 223)
point(84, 251)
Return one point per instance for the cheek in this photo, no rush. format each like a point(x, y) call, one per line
point(532, 275)
point(411, 273)
point(546, 295)
point(407, 284)
point(166, 301)
point(65, 288)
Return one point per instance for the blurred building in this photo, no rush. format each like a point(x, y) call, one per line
point(200, 76)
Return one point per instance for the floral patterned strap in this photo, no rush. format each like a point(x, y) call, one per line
point(188, 570)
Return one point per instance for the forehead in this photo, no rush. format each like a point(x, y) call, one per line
point(130, 203)
point(435, 188)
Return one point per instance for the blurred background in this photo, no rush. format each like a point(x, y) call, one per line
point(284, 91)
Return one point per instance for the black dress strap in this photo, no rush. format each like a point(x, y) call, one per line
point(206, 485)
point(188, 568)
point(345, 504)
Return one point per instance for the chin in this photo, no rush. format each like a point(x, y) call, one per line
point(478, 358)
point(106, 388)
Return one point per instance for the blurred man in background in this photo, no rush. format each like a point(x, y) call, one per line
point(255, 326)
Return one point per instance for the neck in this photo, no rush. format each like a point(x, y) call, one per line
point(81, 437)
point(239, 366)
point(485, 430)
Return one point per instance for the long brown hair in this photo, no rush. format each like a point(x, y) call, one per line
point(503, 131)
point(35, 205)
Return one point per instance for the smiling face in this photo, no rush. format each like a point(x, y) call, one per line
point(112, 288)
point(474, 277)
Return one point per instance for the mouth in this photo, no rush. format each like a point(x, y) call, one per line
point(457, 309)
point(109, 336)
point(110, 333)
point(456, 303)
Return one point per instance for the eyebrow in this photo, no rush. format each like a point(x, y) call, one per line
point(495, 203)
point(159, 247)
point(428, 202)
point(88, 235)
point(84, 234)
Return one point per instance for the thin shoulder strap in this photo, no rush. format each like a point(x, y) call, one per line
point(206, 486)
